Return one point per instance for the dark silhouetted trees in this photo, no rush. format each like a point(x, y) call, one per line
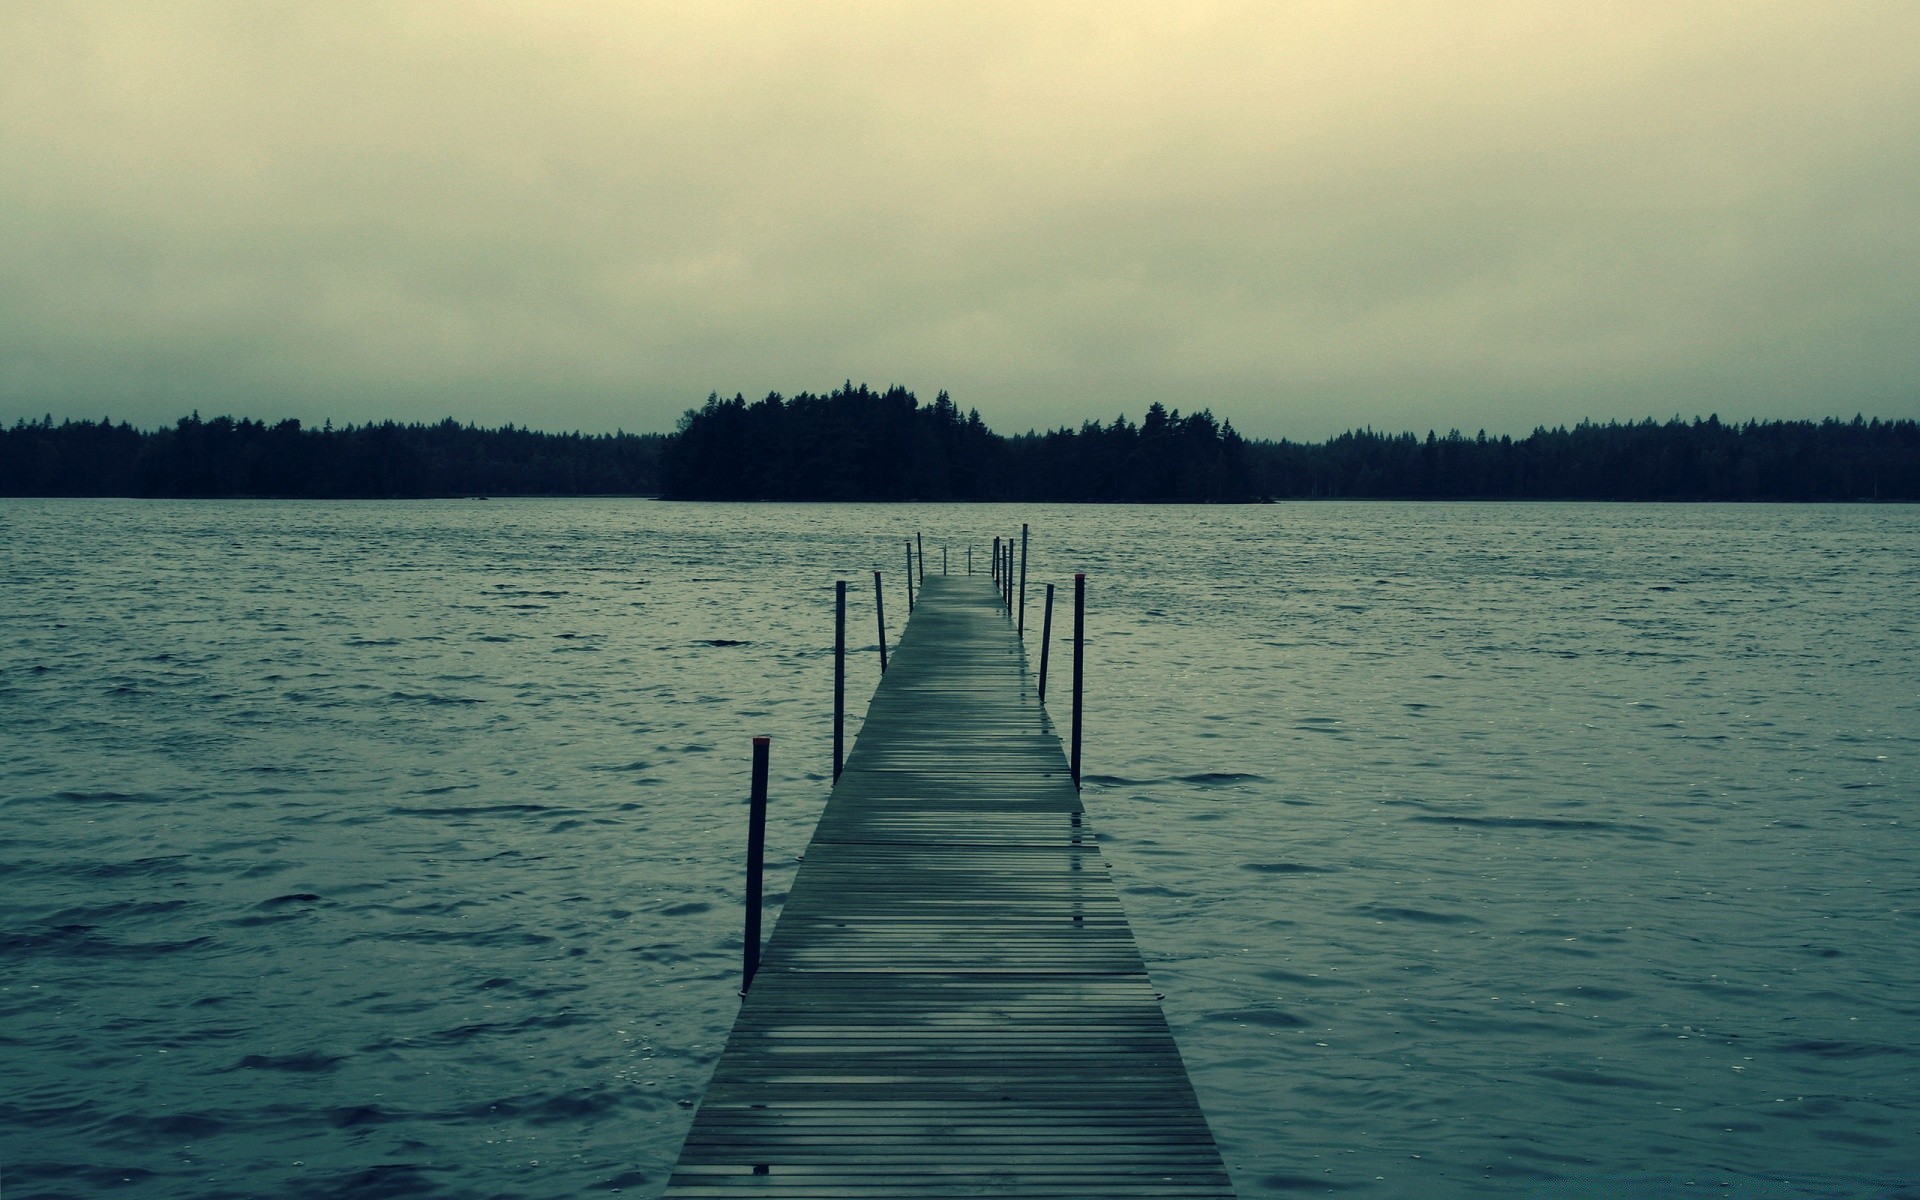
point(1648, 460)
point(228, 457)
point(859, 444)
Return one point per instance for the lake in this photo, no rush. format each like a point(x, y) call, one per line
point(392, 849)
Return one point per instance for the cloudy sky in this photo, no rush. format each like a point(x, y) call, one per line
point(1307, 216)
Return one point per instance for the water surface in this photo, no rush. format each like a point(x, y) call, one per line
point(392, 849)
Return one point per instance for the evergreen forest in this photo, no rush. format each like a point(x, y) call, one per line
point(857, 443)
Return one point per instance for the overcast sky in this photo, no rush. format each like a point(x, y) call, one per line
point(1306, 216)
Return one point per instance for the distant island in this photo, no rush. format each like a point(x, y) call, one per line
point(857, 443)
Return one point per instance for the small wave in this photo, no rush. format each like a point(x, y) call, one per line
point(1272, 1018)
point(86, 940)
point(1835, 1049)
point(566, 1108)
point(1286, 868)
point(357, 1115)
point(191, 1126)
point(470, 810)
point(1218, 778)
point(1591, 1078)
point(433, 698)
point(108, 797)
point(723, 642)
point(87, 915)
point(386, 1181)
point(309, 1063)
point(1560, 823)
point(625, 1180)
point(1306, 1183)
point(1154, 889)
point(1401, 912)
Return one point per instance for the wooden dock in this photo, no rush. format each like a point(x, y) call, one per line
point(952, 1003)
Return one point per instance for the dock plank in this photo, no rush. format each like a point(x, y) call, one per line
point(952, 1002)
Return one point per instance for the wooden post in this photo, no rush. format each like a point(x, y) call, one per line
point(880, 617)
point(943, 558)
point(969, 558)
point(839, 676)
point(1046, 640)
point(920, 541)
point(996, 563)
point(1079, 656)
point(909, 576)
point(1009, 577)
point(1021, 626)
point(756, 855)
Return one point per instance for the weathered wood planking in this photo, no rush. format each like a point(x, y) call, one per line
point(952, 1003)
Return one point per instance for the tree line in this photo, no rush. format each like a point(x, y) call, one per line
point(1647, 460)
point(856, 443)
point(227, 457)
point(859, 444)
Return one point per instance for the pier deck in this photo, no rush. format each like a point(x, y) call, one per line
point(952, 1003)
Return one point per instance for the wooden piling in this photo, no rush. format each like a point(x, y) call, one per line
point(1020, 627)
point(839, 675)
point(756, 855)
point(1046, 643)
point(880, 618)
point(1079, 658)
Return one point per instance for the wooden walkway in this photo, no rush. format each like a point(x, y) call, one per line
point(952, 1003)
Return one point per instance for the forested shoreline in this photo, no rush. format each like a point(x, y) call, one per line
point(857, 443)
point(229, 457)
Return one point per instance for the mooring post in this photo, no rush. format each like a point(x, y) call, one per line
point(1046, 639)
point(969, 558)
point(1009, 577)
point(839, 676)
point(996, 563)
point(1079, 657)
point(920, 542)
point(909, 576)
point(880, 618)
point(1021, 626)
point(756, 855)
point(943, 558)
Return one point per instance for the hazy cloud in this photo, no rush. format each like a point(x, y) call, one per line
point(1307, 216)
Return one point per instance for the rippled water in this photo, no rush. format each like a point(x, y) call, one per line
point(391, 849)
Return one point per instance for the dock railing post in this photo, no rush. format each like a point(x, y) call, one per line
point(943, 558)
point(1046, 640)
point(909, 576)
point(839, 676)
point(756, 856)
point(920, 542)
point(880, 618)
point(1020, 627)
point(969, 558)
point(1079, 658)
point(996, 563)
point(1006, 580)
